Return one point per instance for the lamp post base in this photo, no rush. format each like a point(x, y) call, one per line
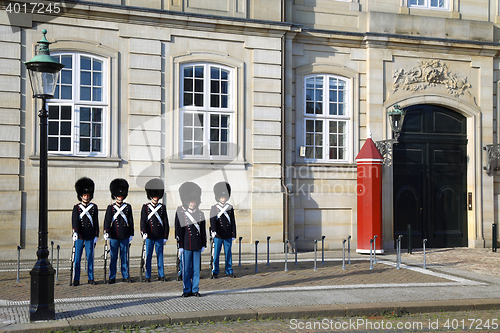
point(42, 291)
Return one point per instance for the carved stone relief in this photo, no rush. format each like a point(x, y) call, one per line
point(430, 73)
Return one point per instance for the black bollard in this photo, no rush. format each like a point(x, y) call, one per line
point(494, 237)
point(375, 249)
point(349, 250)
point(256, 270)
point(343, 254)
point(297, 237)
point(323, 250)
point(409, 238)
point(371, 249)
point(268, 238)
point(18, 262)
point(286, 256)
point(239, 253)
point(57, 266)
point(52, 252)
point(398, 251)
point(425, 265)
point(315, 253)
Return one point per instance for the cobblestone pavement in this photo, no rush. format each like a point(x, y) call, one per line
point(446, 280)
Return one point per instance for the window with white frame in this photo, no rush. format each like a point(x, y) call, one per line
point(326, 118)
point(429, 4)
point(78, 111)
point(207, 111)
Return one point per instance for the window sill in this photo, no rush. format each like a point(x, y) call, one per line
point(78, 161)
point(323, 165)
point(207, 164)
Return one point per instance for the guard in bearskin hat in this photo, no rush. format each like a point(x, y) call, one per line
point(191, 236)
point(222, 228)
point(85, 222)
point(119, 229)
point(154, 226)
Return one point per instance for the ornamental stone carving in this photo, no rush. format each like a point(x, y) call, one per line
point(430, 73)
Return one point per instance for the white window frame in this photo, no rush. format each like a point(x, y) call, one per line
point(76, 104)
point(428, 5)
point(207, 111)
point(326, 118)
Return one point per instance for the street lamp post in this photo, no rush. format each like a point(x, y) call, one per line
point(43, 73)
point(396, 118)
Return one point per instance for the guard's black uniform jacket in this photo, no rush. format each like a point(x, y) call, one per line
point(119, 224)
point(190, 236)
point(85, 221)
point(222, 221)
point(154, 221)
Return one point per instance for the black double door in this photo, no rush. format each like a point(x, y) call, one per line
point(430, 167)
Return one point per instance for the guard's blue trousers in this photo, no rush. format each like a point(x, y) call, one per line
point(89, 251)
point(115, 245)
point(191, 271)
point(227, 254)
point(157, 244)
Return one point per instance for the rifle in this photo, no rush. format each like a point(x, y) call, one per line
point(128, 259)
point(178, 264)
point(106, 251)
point(143, 259)
point(73, 250)
point(211, 257)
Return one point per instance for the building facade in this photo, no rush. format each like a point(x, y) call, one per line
point(275, 97)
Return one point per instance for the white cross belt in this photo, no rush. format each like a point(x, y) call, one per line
point(85, 211)
point(119, 211)
point(154, 211)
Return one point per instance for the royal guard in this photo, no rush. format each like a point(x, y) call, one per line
point(223, 228)
point(154, 226)
point(85, 222)
point(191, 237)
point(119, 229)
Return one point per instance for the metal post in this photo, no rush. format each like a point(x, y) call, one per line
point(371, 249)
point(375, 249)
point(51, 251)
point(343, 254)
point(18, 262)
point(286, 256)
point(425, 266)
point(57, 267)
point(315, 253)
point(268, 238)
point(86, 260)
point(349, 250)
point(494, 238)
point(297, 237)
point(323, 250)
point(398, 251)
point(409, 239)
point(256, 270)
point(239, 253)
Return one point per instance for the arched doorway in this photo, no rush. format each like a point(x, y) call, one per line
point(430, 168)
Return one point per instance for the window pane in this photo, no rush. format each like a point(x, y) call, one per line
point(85, 93)
point(187, 134)
point(224, 101)
point(85, 130)
point(187, 148)
point(223, 149)
point(333, 140)
point(53, 144)
point(319, 108)
point(341, 140)
point(198, 100)
point(85, 63)
point(309, 139)
point(66, 92)
point(188, 85)
point(309, 152)
point(319, 125)
point(309, 94)
point(319, 152)
point(188, 119)
point(96, 145)
point(214, 134)
point(198, 134)
point(188, 71)
point(198, 149)
point(214, 149)
point(188, 99)
point(342, 127)
point(224, 75)
point(214, 101)
point(223, 135)
point(214, 86)
point(67, 61)
point(65, 128)
point(198, 71)
point(66, 112)
point(97, 94)
point(318, 139)
point(224, 121)
point(198, 85)
point(97, 115)
point(198, 120)
point(214, 120)
point(97, 79)
point(333, 154)
point(53, 112)
point(341, 109)
point(85, 78)
point(53, 128)
point(214, 73)
point(97, 65)
point(333, 109)
point(310, 107)
point(84, 144)
point(66, 77)
point(85, 114)
point(319, 95)
point(341, 152)
point(333, 127)
point(96, 130)
point(224, 86)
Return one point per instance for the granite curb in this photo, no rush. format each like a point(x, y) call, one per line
point(287, 312)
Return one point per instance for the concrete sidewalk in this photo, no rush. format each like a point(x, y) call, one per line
point(447, 285)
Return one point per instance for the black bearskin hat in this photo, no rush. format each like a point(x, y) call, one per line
point(83, 186)
point(222, 189)
point(118, 188)
point(154, 188)
point(190, 192)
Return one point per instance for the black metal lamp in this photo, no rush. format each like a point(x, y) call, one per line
point(396, 116)
point(43, 73)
